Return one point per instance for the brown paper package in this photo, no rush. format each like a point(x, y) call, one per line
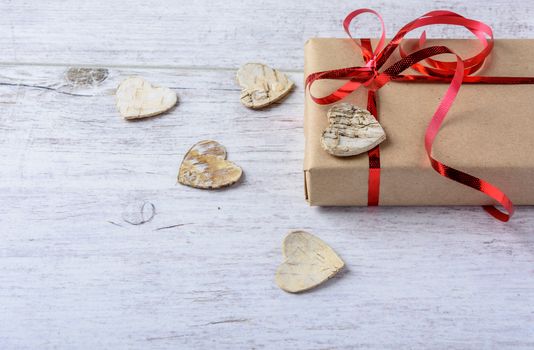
point(488, 133)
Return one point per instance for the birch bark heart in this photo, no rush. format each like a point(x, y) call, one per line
point(137, 98)
point(352, 130)
point(262, 85)
point(308, 262)
point(205, 166)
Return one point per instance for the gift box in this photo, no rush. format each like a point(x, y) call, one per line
point(488, 132)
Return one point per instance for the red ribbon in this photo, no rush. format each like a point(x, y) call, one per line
point(373, 75)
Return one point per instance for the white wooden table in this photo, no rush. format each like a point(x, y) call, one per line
point(74, 275)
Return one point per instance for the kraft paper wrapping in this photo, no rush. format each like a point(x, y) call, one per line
point(488, 133)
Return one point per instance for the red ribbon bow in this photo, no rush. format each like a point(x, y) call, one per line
point(374, 75)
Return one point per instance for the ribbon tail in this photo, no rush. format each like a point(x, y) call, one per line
point(496, 213)
point(454, 174)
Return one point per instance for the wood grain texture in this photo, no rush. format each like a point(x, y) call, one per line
point(207, 33)
point(200, 274)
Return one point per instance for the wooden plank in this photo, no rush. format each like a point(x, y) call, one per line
point(219, 34)
point(73, 274)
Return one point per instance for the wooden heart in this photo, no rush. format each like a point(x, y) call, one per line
point(262, 85)
point(137, 98)
point(352, 130)
point(308, 262)
point(205, 166)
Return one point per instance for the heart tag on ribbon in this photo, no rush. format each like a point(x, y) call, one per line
point(352, 130)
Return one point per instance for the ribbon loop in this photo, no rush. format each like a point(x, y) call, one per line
point(373, 75)
point(367, 52)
